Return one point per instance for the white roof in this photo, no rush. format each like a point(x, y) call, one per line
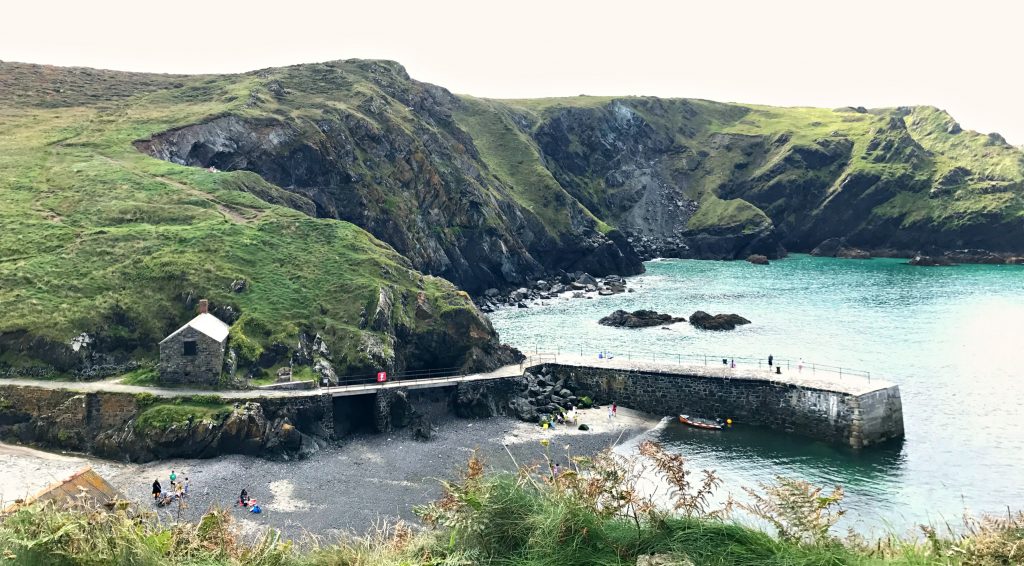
point(207, 324)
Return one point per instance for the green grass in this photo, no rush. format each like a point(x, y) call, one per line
point(515, 160)
point(143, 376)
point(715, 213)
point(99, 238)
point(165, 415)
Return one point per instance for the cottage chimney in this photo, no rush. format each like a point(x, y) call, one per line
point(204, 306)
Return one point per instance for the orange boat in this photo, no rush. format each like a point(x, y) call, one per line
point(701, 423)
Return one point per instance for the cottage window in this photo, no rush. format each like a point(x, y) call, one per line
point(190, 348)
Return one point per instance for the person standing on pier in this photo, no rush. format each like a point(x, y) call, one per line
point(770, 360)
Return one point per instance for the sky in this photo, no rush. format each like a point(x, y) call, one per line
point(966, 57)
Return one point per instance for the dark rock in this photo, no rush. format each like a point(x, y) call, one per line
point(705, 321)
point(758, 259)
point(930, 261)
point(853, 253)
point(587, 280)
point(638, 319)
point(975, 256)
point(584, 427)
point(829, 248)
point(421, 427)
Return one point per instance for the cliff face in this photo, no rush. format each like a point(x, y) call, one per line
point(689, 178)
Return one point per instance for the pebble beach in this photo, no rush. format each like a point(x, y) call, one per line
point(346, 488)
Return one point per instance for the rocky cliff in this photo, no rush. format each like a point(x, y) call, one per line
point(491, 193)
point(363, 142)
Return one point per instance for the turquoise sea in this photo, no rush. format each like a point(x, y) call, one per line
point(951, 337)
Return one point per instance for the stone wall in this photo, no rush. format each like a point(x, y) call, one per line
point(204, 367)
point(880, 417)
point(832, 416)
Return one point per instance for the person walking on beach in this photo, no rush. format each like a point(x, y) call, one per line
point(800, 366)
point(770, 360)
point(156, 489)
point(615, 410)
point(609, 412)
point(732, 364)
point(186, 485)
point(174, 476)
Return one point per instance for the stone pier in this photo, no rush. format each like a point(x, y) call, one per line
point(855, 411)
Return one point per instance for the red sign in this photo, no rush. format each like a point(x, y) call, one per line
point(382, 376)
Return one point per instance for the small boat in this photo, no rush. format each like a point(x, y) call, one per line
point(701, 423)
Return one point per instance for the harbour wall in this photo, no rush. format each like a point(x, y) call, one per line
point(856, 415)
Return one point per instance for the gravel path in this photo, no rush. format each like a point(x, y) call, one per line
point(349, 486)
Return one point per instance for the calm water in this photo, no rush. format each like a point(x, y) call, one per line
point(952, 338)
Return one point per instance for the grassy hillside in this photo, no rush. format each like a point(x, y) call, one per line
point(101, 239)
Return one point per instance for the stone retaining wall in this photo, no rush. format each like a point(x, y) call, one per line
point(843, 418)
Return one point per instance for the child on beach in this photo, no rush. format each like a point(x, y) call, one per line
point(615, 410)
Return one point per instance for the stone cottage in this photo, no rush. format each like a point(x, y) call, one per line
point(194, 353)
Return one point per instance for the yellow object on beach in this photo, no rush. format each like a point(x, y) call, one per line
point(544, 426)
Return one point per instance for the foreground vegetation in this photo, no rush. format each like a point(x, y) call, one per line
point(594, 513)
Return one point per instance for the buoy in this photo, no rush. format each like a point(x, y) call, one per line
point(728, 421)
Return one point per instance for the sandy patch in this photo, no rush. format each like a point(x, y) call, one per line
point(27, 471)
point(284, 499)
point(626, 421)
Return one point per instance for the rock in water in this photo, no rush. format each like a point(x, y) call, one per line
point(836, 247)
point(758, 259)
point(853, 253)
point(930, 261)
point(705, 321)
point(638, 319)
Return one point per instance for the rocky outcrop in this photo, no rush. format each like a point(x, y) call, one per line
point(837, 247)
point(757, 259)
point(141, 428)
point(575, 285)
point(930, 261)
point(638, 319)
point(705, 321)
